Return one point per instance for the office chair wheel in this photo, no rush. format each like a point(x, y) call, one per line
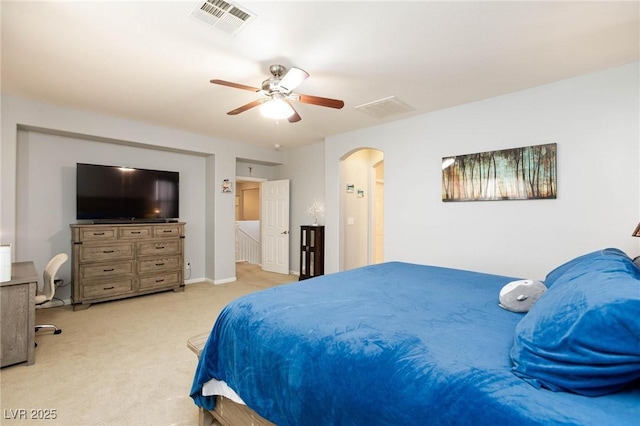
point(58, 331)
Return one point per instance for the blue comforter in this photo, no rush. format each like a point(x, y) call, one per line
point(390, 344)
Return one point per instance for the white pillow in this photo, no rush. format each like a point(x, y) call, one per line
point(520, 295)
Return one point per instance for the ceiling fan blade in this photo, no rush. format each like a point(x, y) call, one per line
point(235, 85)
point(317, 100)
point(292, 79)
point(245, 107)
point(295, 117)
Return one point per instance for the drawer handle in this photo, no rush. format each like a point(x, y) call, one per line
point(108, 288)
point(159, 247)
point(136, 232)
point(108, 251)
point(98, 233)
point(108, 270)
point(167, 230)
point(159, 281)
point(160, 264)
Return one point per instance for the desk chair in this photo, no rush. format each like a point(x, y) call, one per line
point(49, 287)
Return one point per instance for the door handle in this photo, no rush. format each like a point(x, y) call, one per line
point(284, 232)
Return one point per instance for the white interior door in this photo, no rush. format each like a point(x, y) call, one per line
point(275, 225)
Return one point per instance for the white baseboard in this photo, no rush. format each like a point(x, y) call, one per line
point(209, 281)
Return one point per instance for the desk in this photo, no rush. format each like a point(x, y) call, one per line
point(18, 314)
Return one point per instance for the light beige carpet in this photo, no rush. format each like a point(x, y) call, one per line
point(123, 362)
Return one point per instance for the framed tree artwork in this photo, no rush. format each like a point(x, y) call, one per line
point(510, 174)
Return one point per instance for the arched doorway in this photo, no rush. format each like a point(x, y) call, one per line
point(361, 208)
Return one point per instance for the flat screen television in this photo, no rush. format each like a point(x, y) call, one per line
point(124, 194)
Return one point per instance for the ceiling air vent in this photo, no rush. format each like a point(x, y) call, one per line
point(384, 108)
point(224, 15)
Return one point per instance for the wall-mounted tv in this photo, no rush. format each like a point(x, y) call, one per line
point(124, 194)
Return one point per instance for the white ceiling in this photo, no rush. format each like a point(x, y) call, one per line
point(152, 61)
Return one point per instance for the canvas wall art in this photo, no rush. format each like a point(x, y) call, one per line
point(510, 174)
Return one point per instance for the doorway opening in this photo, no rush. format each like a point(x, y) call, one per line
point(247, 223)
point(262, 223)
point(361, 208)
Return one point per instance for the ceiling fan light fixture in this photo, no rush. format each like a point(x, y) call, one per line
point(277, 90)
point(276, 109)
point(292, 79)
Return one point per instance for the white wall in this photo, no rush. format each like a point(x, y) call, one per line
point(305, 168)
point(46, 195)
point(594, 121)
point(214, 224)
point(257, 171)
point(251, 228)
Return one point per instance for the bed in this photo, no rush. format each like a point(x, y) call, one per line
point(407, 344)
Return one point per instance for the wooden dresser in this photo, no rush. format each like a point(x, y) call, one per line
point(115, 261)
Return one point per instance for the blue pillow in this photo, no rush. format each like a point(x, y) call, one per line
point(583, 334)
point(560, 270)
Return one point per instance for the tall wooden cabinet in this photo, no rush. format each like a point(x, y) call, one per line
point(115, 261)
point(311, 251)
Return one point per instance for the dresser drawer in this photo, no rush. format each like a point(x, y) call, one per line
point(166, 231)
point(135, 232)
point(165, 280)
point(104, 270)
point(97, 290)
point(150, 248)
point(90, 253)
point(158, 265)
point(103, 233)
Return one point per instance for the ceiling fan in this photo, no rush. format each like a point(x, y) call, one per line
point(278, 90)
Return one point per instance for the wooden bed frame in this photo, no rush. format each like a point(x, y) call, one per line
point(226, 412)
